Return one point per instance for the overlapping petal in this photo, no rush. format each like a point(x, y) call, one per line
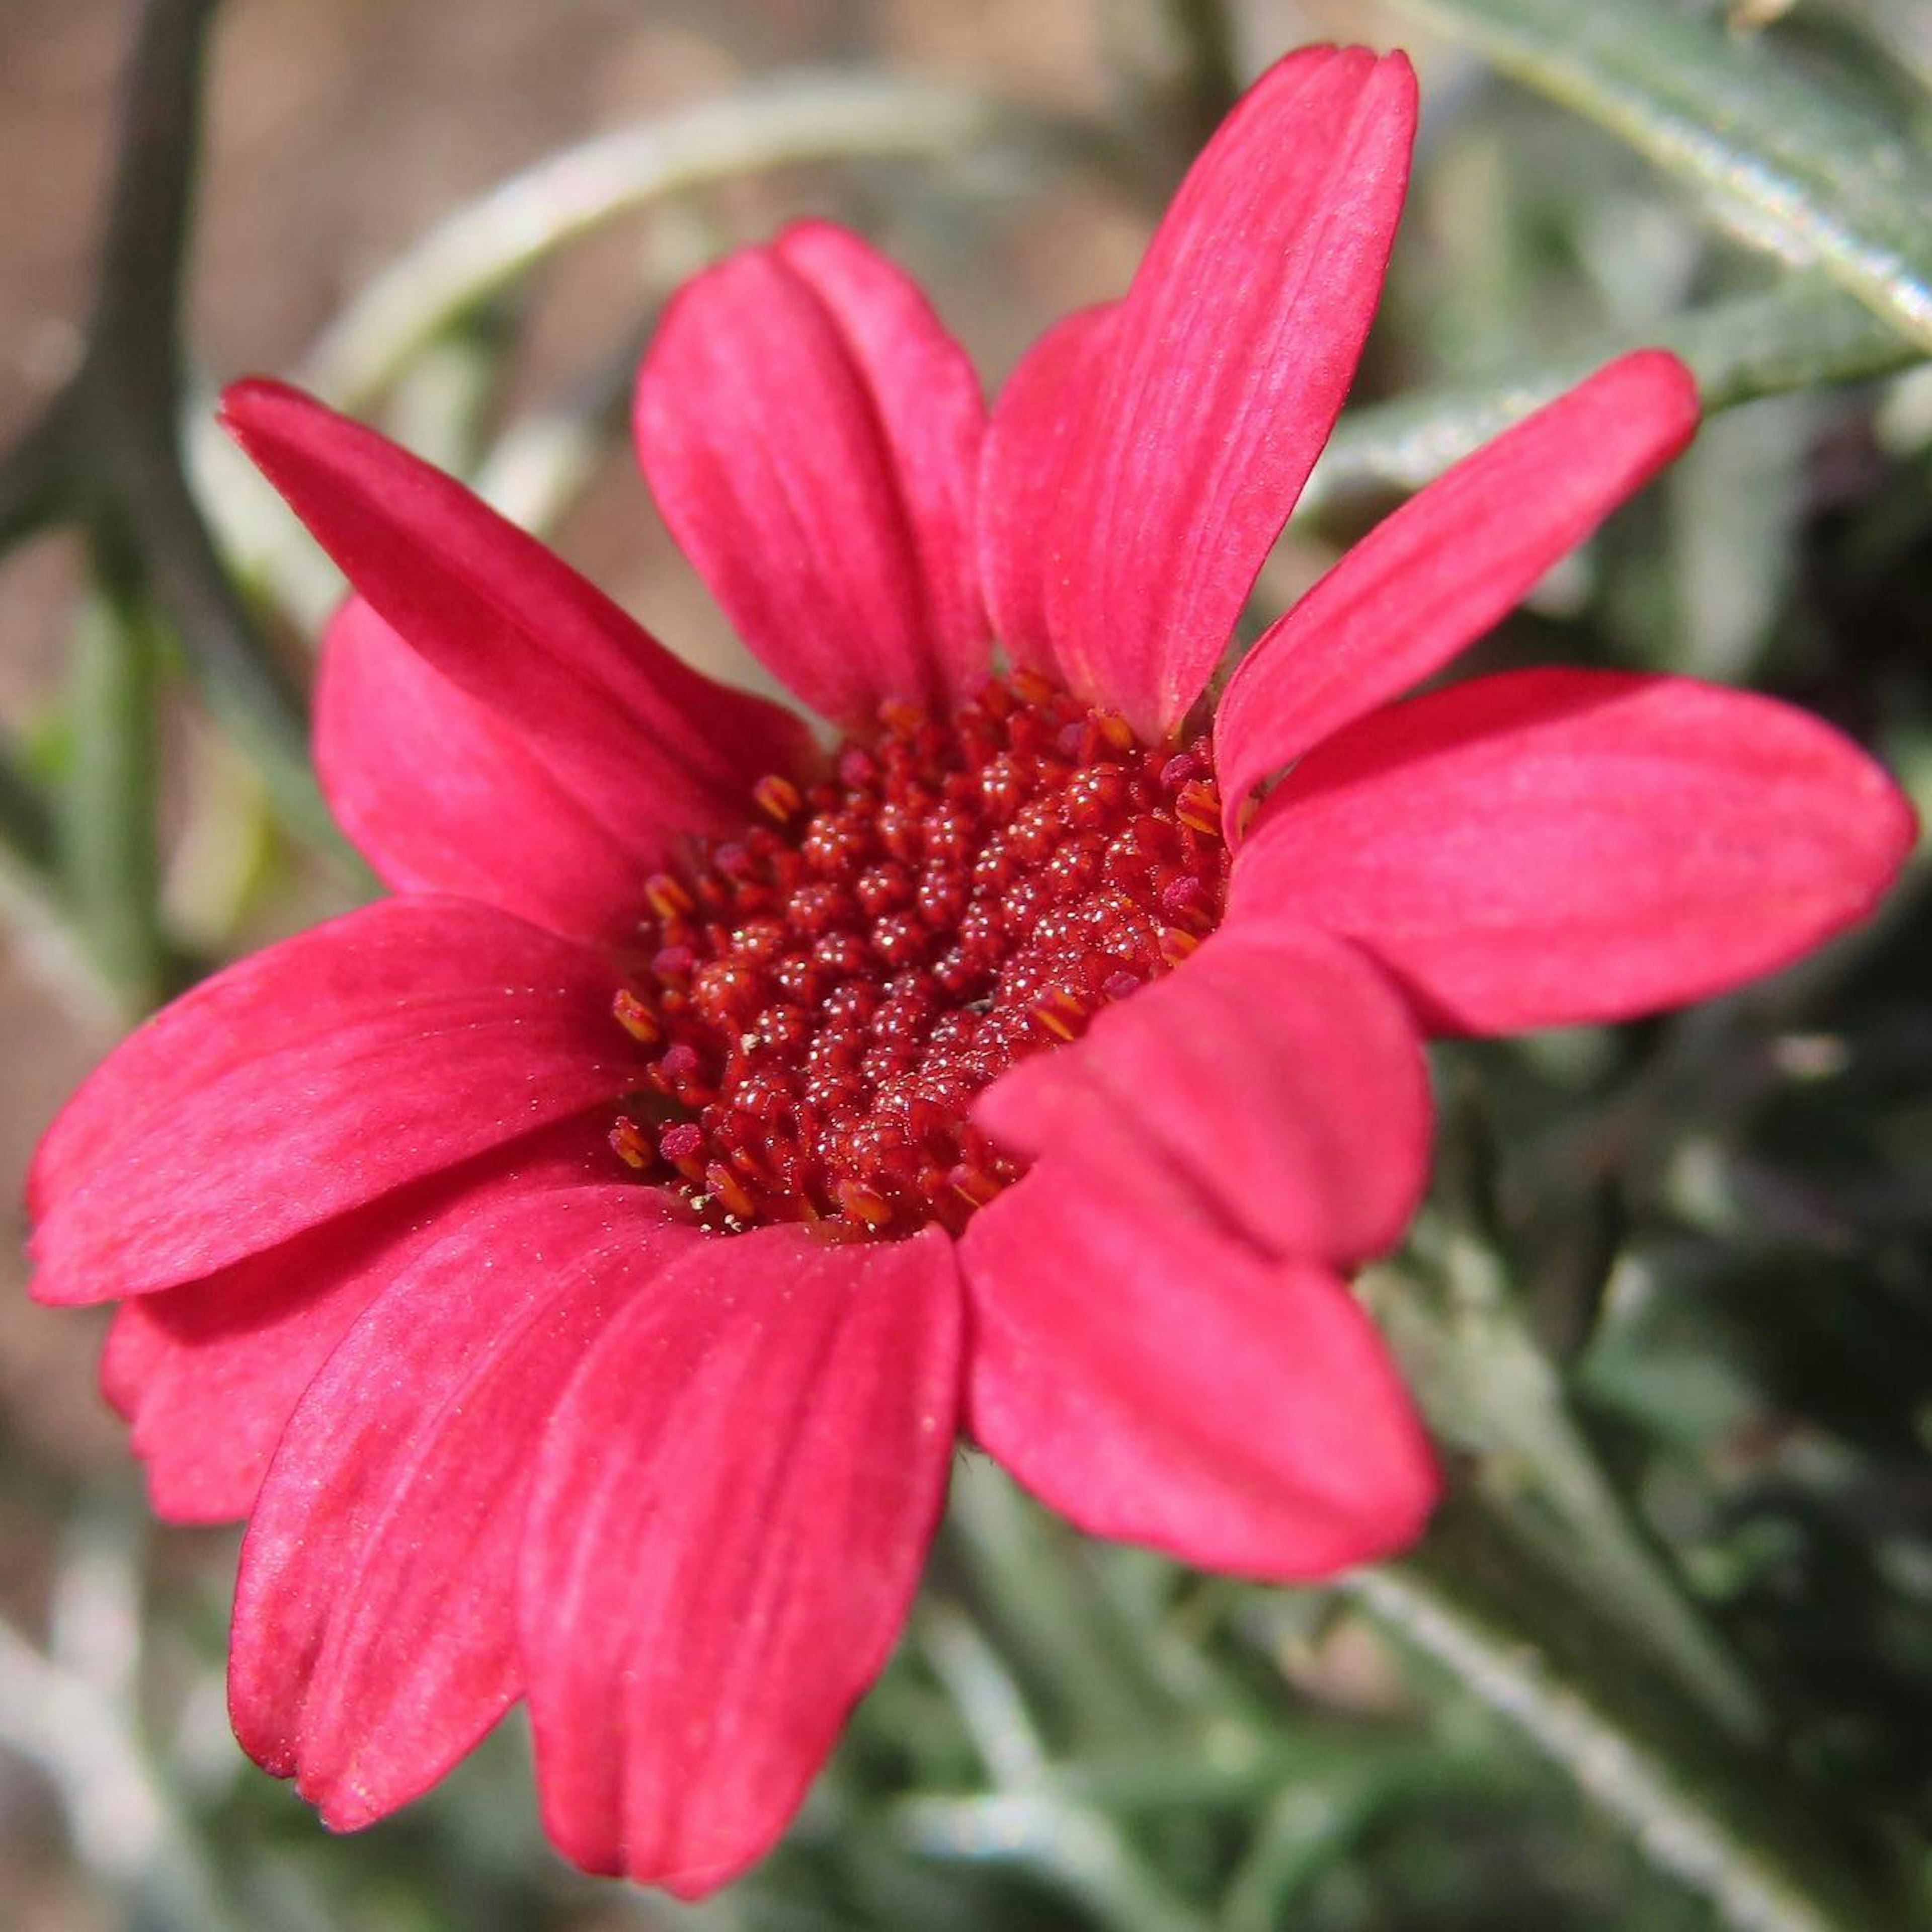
point(1031, 440)
point(374, 1629)
point(730, 1516)
point(1451, 562)
point(209, 1373)
point(1275, 1085)
point(653, 752)
point(442, 794)
point(811, 434)
point(387, 1045)
point(1155, 1381)
point(1546, 846)
point(1228, 360)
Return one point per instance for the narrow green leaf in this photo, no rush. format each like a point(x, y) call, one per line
point(26, 825)
point(1801, 333)
point(108, 850)
point(1787, 165)
point(1486, 1387)
point(1528, 1643)
point(1081, 1851)
point(786, 121)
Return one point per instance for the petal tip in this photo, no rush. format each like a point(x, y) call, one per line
point(1404, 1508)
point(251, 407)
point(1396, 72)
point(1663, 387)
point(340, 1806)
point(1895, 829)
point(258, 1734)
point(809, 234)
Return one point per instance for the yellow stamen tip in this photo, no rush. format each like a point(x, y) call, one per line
point(777, 797)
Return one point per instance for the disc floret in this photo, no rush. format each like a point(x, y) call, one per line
point(824, 997)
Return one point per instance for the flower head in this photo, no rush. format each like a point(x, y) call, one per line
point(578, 1266)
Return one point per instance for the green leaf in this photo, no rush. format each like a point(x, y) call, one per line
point(108, 834)
point(1527, 1641)
point(1487, 1388)
point(1802, 333)
point(1787, 165)
point(785, 121)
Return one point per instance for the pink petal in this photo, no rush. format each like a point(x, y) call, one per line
point(1548, 846)
point(729, 1520)
point(442, 794)
point(811, 434)
point(1157, 1382)
point(135, 1352)
point(1275, 1082)
point(1451, 562)
point(209, 1373)
point(931, 416)
point(387, 1045)
point(1230, 358)
point(1030, 443)
point(618, 722)
point(373, 1638)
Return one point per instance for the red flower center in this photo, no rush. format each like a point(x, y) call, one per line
point(829, 993)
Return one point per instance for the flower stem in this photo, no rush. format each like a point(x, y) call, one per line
point(1532, 1648)
point(1803, 333)
point(107, 453)
point(26, 826)
point(1043, 1610)
point(1082, 1851)
point(127, 394)
point(34, 472)
point(1488, 1390)
point(777, 123)
point(1212, 83)
point(127, 1823)
point(108, 850)
point(1171, 63)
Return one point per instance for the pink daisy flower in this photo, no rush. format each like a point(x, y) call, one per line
point(579, 1267)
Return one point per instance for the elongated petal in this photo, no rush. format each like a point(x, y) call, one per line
point(385, 1046)
point(811, 434)
point(1030, 441)
point(209, 1373)
point(1555, 846)
point(1275, 1082)
point(1230, 357)
point(617, 721)
point(133, 1354)
point(374, 1639)
point(732, 1509)
point(1450, 563)
point(442, 794)
point(931, 416)
point(1155, 1381)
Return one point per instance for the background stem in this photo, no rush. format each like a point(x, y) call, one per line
point(109, 852)
point(1532, 1651)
